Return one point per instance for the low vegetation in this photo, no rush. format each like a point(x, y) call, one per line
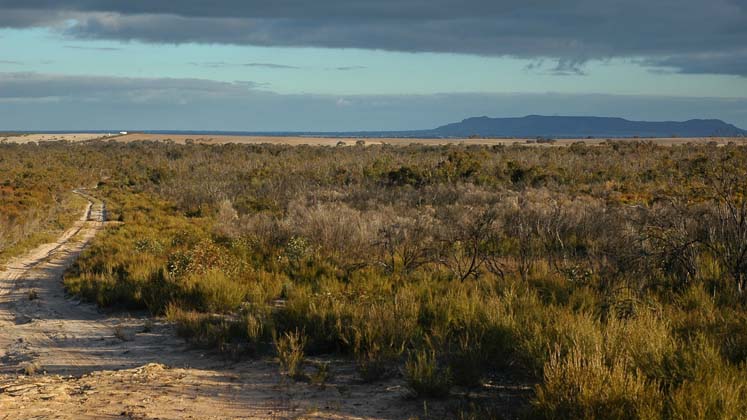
point(612, 276)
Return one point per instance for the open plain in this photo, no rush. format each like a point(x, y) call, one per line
point(268, 281)
point(351, 141)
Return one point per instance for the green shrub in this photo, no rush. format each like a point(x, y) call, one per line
point(373, 363)
point(643, 343)
point(584, 386)
point(425, 377)
point(712, 395)
point(468, 361)
point(202, 330)
point(321, 375)
point(213, 291)
point(541, 332)
point(290, 351)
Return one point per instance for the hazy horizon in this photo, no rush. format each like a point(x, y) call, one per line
point(365, 65)
point(396, 133)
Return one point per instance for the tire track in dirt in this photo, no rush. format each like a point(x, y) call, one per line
point(31, 293)
point(64, 336)
point(93, 365)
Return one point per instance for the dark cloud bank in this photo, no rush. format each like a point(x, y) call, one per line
point(690, 36)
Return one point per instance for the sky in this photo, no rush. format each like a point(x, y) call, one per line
point(341, 65)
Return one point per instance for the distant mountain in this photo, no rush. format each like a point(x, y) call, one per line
point(524, 127)
point(544, 126)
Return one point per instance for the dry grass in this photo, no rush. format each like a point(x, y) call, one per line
point(32, 368)
point(290, 350)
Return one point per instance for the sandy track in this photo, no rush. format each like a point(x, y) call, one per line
point(41, 137)
point(91, 365)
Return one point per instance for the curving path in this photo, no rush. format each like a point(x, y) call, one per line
point(60, 358)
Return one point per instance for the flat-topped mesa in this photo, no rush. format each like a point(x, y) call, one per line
point(579, 127)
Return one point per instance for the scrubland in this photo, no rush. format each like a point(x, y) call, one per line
point(36, 202)
point(611, 276)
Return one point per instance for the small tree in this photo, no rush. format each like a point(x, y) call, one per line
point(669, 240)
point(726, 228)
point(405, 243)
point(463, 243)
point(521, 226)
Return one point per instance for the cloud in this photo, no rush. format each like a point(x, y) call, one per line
point(13, 17)
point(35, 86)
point(733, 63)
point(34, 101)
point(87, 48)
point(274, 66)
point(271, 66)
point(664, 33)
point(563, 67)
point(221, 64)
point(347, 68)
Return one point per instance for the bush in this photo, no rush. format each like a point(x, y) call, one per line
point(200, 329)
point(425, 377)
point(468, 361)
point(213, 291)
point(374, 363)
point(290, 351)
point(584, 386)
point(715, 395)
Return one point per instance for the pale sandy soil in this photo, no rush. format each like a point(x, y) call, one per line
point(63, 359)
point(329, 141)
point(30, 138)
point(326, 141)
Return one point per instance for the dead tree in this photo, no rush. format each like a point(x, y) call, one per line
point(463, 243)
point(726, 233)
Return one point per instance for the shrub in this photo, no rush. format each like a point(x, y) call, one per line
point(712, 395)
point(380, 333)
point(202, 330)
point(321, 375)
point(215, 292)
point(290, 351)
point(468, 361)
point(32, 368)
point(373, 363)
point(425, 377)
point(540, 333)
point(584, 386)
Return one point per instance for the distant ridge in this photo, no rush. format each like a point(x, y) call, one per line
point(529, 127)
point(522, 127)
point(552, 126)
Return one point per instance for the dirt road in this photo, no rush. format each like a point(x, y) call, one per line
point(60, 358)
